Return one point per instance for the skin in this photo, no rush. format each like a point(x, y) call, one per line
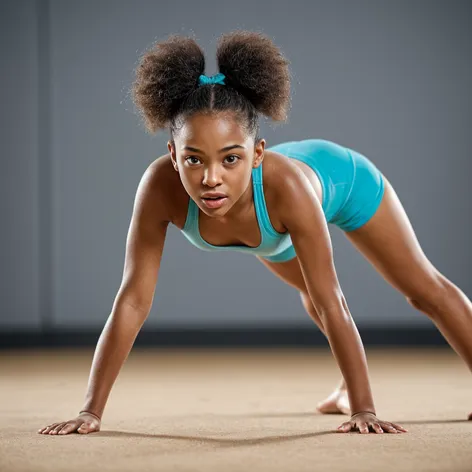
point(293, 198)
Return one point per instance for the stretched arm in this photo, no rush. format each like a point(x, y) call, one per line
point(303, 217)
point(144, 247)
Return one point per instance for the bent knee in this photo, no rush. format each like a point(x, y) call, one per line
point(308, 304)
point(431, 295)
point(306, 300)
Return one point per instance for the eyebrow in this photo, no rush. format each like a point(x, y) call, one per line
point(227, 148)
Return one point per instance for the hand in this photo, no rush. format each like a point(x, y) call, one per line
point(84, 423)
point(363, 421)
point(470, 417)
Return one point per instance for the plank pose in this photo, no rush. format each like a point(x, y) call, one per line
point(225, 190)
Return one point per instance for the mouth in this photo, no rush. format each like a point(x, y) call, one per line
point(214, 201)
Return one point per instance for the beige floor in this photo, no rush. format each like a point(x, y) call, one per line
point(234, 411)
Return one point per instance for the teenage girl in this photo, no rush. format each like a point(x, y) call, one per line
point(225, 190)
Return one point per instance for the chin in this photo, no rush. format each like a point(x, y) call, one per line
point(214, 213)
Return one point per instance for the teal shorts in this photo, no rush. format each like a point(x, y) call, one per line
point(352, 185)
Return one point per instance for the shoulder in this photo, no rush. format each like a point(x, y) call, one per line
point(160, 172)
point(161, 187)
point(289, 191)
point(282, 177)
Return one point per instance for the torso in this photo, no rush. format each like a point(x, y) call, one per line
point(245, 229)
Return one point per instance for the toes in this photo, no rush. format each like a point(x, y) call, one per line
point(336, 404)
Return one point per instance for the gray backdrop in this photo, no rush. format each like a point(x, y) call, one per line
point(390, 79)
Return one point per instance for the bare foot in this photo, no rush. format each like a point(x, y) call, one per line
point(336, 404)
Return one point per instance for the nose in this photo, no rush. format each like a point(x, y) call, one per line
point(211, 176)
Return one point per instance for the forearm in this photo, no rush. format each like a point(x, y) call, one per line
point(348, 350)
point(112, 350)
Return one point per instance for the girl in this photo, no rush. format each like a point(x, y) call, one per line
point(225, 190)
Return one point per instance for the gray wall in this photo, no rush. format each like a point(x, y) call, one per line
point(389, 79)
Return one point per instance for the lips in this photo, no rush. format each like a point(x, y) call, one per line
point(213, 195)
point(214, 201)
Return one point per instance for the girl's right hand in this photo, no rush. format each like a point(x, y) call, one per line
point(84, 423)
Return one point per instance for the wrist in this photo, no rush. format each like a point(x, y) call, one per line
point(370, 412)
point(90, 413)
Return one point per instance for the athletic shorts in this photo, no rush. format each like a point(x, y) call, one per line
point(352, 185)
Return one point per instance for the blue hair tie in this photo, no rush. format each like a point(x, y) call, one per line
point(214, 79)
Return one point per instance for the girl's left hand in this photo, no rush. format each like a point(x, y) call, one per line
point(364, 421)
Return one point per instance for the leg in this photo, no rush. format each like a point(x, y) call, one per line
point(290, 273)
point(389, 243)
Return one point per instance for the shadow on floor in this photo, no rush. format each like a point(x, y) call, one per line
point(218, 441)
point(255, 441)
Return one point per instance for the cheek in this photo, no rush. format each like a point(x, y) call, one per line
point(190, 177)
point(188, 181)
point(240, 181)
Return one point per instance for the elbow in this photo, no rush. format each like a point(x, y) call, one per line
point(132, 299)
point(135, 313)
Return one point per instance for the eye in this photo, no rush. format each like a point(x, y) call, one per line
point(233, 158)
point(192, 162)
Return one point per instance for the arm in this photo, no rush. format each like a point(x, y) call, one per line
point(302, 215)
point(144, 246)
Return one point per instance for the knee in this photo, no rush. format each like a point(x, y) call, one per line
point(432, 296)
point(308, 305)
point(306, 301)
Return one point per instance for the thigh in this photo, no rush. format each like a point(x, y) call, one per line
point(389, 243)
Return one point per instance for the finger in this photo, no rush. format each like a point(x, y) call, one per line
point(57, 428)
point(84, 428)
point(345, 428)
point(377, 428)
point(389, 428)
point(50, 427)
point(69, 427)
point(363, 428)
point(400, 428)
point(63, 427)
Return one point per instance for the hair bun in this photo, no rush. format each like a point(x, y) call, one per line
point(166, 75)
point(256, 67)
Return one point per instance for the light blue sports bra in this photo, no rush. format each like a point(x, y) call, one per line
point(273, 243)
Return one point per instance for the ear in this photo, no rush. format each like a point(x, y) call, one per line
point(173, 156)
point(259, 153)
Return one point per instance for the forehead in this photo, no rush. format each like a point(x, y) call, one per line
point(211, 131)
